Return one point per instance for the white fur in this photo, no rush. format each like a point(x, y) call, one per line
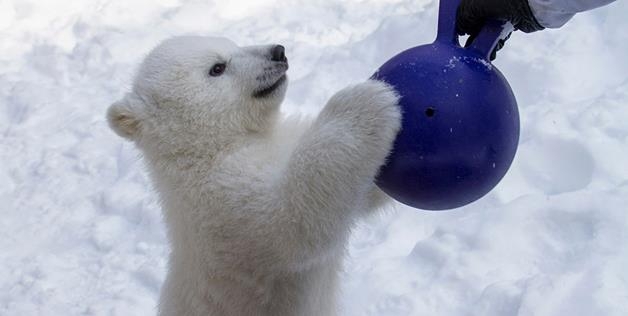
point(258, 208)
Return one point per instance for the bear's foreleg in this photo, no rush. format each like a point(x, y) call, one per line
point(330, 174)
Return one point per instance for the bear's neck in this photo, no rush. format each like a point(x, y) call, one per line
point(186, 151)
point(193, 153)
point(190, 150)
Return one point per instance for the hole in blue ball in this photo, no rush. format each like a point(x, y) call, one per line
point(429, 112)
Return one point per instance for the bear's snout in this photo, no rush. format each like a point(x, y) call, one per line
point(278, 53)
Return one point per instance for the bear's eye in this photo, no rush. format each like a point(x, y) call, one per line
point(217, 70)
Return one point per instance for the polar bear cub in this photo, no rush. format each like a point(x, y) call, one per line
point(258, 207)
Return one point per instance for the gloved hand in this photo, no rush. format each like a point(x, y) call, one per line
point(472, 14)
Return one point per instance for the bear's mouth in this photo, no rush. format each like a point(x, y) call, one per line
point(270, 89)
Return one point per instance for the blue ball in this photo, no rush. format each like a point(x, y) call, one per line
point(460, 125)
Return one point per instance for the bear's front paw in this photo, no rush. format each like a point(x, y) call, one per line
point(371, 106)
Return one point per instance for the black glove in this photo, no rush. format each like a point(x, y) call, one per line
point(472, 14)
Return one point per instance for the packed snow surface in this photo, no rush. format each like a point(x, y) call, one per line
point(81, 231)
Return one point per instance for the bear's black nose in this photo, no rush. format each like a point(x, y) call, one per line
point(278, 53)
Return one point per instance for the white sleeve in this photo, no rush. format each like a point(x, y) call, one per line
point(555, 13)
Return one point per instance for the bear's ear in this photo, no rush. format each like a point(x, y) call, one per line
point(124, 117)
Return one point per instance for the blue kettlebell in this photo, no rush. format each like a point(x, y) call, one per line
point(460, 126)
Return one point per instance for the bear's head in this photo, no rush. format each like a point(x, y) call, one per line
point(192, 88)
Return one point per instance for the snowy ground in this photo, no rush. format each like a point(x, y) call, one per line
point(81, 232)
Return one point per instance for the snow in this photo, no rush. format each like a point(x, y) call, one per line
point(81, 231)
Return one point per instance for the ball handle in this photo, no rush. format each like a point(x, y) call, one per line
point(486, 40)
